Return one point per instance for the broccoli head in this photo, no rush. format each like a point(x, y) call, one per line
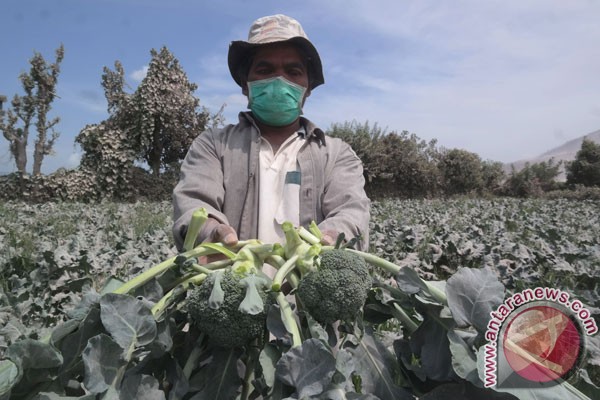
point(229, 306)
point(337, 288)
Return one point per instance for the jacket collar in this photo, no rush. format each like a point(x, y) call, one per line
point(312, 132)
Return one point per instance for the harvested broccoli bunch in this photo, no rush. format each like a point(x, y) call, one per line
point(337, 288)
point(229, 306)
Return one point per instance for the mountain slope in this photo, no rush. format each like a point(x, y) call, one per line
point(564, 152)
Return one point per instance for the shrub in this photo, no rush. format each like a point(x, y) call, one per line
point(585, 169)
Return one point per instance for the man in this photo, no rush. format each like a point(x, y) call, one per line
point(273, 165)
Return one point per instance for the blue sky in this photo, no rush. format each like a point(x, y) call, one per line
point(507, 80)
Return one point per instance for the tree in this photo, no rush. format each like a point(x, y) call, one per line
point(108, 152)
point(107, 155)
point(162, 117)
point(461, 171)
point(533, 179)
point(395, 164)
point(166, 118)
point(363, 138)
point(585, 169)
point(156, 123)
point(40, 90)
point(408, 164)
point(45, 77)
point(23, 108)
point(493, 175)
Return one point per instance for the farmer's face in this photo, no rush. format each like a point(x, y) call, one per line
point(279, 59)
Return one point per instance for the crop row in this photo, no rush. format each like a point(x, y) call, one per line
point(50, 253)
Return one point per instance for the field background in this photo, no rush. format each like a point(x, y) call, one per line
point(50, 253)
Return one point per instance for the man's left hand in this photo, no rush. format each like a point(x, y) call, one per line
point(329, 237)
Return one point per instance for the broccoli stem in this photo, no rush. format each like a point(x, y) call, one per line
point(160, 307)
point(263, 251)
point(293, 279)
point(405, 319)
point(219, 248)
point(277, 262)
point(282, 272)
point(199, 217)
point(313, 228)
point(192, 360)
point(253, 355)
point(216, 265)
point(202, 268)
point(287, 316)
point(294, 244)
point(158, 269)
point(309, 236)
point(394, 269)
point(204, 249)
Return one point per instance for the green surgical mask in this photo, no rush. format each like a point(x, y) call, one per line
point(275, 101)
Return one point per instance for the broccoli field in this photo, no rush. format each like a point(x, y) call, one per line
point(69, 330)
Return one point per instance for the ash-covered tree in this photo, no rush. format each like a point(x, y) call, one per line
point(113, 83)
point(585, 169)
point(363, 138)
point(493, 175)
point(32, 108)
point(23, 110)
point(395, 164)
point(156, 124)
point(165, 116)
point(408, 165)
point(533, 179)
point(108, 158)
point(45, 76)
point(108, 153)
point(461, 171)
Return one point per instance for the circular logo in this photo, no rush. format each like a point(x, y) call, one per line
point(542, 344)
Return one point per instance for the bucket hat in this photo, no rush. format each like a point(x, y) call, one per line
point(273, 29)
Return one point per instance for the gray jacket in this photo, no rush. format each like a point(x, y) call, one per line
point(220, 173)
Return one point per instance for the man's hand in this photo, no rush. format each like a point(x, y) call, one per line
point(329, 237)
point(218, 232)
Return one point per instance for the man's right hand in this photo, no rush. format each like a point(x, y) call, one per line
point(218, 232)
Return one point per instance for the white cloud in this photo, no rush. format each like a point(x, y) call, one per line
point(496, 78)
point(73, 160)
point(232, 104)
point(139, 74)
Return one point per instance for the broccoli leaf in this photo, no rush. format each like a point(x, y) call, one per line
point(377, 368)
point(102, 360)
point(410, 282)
point(464, 391)
point(308, 368)
point(464, 360)
point(217, 296)
point(33, 354)
point(219, 378)
point(275, 325)
point(253, 303)
point(73, 345)
point(268, 362)
point(141, 387)
point(54, 396)
point(472, 295)
point(128, 320)
point(427, 352)
point(9, 376)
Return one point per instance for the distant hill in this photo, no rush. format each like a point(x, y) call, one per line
point(564, 152)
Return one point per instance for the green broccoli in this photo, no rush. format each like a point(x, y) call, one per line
point(229, 306)
point(337, 288)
